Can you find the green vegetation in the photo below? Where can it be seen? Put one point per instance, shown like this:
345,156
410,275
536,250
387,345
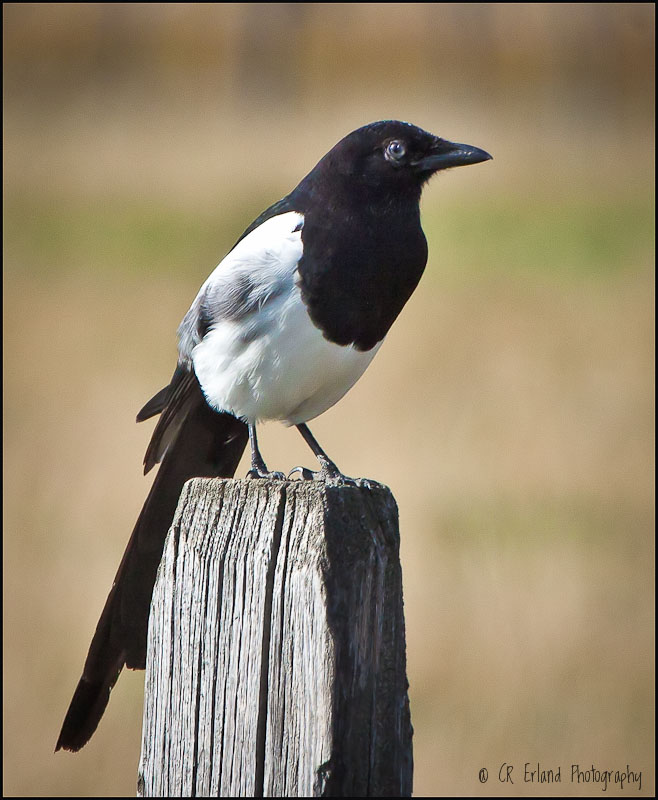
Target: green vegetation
470,238
568,238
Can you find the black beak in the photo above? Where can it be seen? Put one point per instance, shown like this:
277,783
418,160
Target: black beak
444,154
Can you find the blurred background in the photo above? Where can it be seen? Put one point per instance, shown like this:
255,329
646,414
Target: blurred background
510,411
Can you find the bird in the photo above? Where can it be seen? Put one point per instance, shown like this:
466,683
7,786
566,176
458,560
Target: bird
281,330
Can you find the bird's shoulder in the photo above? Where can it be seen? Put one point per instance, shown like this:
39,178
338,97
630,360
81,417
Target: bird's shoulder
283,206
259,267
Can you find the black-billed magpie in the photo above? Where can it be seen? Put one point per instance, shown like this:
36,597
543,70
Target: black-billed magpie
281,330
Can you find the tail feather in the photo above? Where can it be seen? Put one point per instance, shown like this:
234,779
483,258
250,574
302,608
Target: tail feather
207,444
87,707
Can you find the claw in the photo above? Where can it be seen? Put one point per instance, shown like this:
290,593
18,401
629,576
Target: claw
305,473
256,474
339,478
328,473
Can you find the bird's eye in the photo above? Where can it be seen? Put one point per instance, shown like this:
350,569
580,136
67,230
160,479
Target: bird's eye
395,151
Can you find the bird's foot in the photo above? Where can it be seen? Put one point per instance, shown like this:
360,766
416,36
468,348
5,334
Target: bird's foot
328,473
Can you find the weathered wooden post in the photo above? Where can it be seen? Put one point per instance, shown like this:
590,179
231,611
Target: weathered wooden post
276,655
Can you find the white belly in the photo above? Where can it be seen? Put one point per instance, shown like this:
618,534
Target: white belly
287,372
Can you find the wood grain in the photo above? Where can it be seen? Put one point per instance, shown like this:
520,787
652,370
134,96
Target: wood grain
276,655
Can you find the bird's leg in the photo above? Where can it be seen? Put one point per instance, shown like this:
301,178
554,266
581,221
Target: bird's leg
328,470
258,467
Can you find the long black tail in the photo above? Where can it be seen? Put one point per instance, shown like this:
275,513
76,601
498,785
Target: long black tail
204,444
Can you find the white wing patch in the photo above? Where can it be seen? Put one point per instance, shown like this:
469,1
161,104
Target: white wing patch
259,266
261,357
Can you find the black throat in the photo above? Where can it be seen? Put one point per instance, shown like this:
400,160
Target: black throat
364,253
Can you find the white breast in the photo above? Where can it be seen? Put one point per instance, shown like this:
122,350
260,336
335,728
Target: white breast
273,363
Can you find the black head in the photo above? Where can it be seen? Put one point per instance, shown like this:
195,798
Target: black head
393,155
